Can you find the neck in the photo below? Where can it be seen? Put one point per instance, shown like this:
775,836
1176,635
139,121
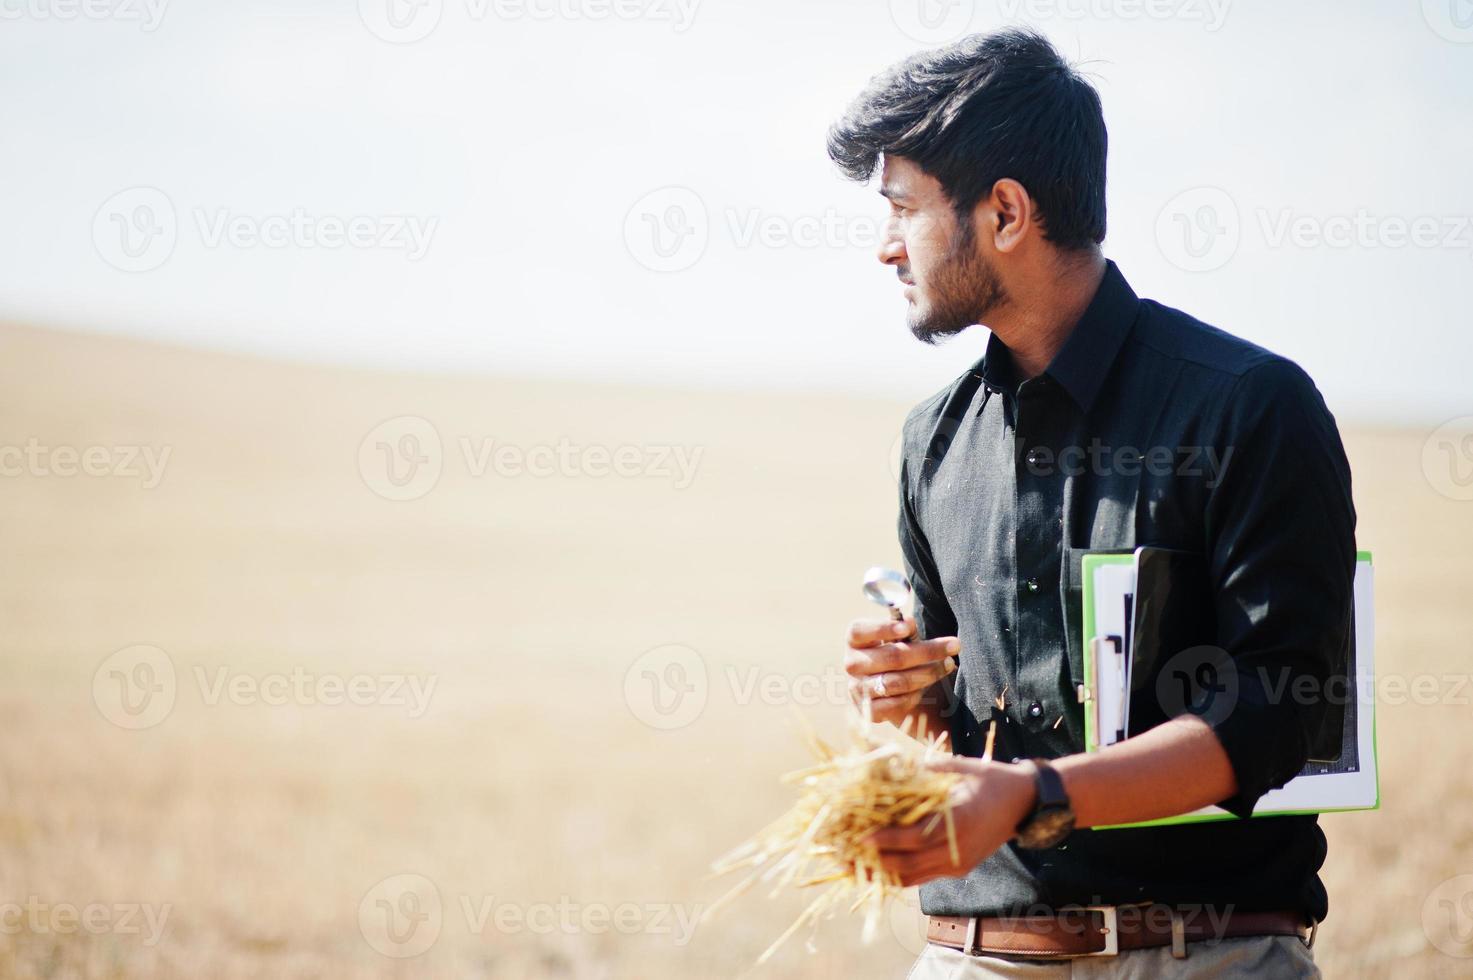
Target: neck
1044,309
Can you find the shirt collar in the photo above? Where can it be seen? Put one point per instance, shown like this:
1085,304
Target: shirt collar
1082,364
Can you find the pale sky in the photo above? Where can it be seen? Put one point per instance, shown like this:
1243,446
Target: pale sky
637,189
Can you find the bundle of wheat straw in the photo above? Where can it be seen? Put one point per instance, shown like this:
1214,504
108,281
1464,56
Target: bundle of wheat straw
880,781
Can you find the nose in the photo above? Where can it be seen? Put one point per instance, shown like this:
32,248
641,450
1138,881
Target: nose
892,247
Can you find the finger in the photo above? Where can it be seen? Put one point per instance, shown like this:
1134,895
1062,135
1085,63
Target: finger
895,682
899,840
958,763
916,869
883,707
900,656
865,633
915,878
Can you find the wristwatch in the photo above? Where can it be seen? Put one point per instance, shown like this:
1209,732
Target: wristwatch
1052,818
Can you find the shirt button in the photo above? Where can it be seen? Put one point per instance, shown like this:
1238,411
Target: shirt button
1033,457
1032,585
1035,710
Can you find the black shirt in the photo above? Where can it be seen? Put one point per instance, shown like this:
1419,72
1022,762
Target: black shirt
1148,428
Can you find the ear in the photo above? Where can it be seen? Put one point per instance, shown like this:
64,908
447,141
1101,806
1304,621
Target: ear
1011,214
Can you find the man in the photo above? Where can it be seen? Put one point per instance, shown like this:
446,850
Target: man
992,156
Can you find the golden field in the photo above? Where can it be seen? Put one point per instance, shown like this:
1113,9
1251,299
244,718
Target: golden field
550,820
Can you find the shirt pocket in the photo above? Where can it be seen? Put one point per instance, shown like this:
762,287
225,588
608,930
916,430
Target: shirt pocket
1071,600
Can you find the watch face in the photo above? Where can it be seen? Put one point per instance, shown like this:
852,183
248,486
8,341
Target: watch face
1047,828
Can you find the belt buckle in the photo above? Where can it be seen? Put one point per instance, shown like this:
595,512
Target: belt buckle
1111,930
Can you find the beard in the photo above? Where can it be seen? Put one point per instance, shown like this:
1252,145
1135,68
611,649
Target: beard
960,292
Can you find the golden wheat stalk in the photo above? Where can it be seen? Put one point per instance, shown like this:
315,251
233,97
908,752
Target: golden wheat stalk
881,780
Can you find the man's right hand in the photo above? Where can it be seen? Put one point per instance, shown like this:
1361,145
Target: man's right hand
894,670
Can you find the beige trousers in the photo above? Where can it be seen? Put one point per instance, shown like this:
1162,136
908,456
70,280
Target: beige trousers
1270,957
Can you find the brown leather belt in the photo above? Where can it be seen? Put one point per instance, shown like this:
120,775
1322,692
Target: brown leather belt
1104,930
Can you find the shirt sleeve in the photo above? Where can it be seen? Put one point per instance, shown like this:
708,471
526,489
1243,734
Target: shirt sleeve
1281,552
933,613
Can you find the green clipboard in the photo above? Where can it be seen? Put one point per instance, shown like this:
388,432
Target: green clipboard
1346,785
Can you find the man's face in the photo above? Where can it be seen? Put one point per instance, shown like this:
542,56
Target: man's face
950,283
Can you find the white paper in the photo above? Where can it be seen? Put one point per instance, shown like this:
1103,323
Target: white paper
1111,583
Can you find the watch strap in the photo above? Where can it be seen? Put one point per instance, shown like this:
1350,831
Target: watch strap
1049,786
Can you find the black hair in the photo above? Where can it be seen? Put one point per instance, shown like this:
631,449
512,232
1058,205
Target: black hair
987,107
